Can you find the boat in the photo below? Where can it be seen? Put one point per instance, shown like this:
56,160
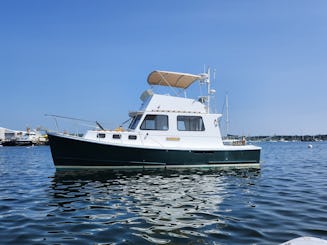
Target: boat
231,139
168,131
8,142
30,138
26,139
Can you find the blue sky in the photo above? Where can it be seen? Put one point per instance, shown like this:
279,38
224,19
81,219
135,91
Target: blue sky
90,59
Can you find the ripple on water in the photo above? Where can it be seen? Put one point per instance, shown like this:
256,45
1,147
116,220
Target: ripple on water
283,200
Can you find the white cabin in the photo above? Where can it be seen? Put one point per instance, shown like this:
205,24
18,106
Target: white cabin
168,122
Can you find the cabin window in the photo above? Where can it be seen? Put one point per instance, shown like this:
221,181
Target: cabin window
155,122
135,122
132,137
190,123
116,136
101,136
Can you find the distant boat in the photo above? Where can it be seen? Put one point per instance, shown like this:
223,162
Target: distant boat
231,139
167,131
25,138
234,141
32,137
11,142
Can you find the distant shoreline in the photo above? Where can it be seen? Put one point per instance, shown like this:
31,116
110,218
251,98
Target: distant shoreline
304,138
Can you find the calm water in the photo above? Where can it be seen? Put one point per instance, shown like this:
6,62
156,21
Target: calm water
286,198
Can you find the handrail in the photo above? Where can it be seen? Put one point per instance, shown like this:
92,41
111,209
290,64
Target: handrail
75,119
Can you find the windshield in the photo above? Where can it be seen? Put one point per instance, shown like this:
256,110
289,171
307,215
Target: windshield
135,122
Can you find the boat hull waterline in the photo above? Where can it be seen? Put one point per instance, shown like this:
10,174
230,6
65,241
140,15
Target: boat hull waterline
75,152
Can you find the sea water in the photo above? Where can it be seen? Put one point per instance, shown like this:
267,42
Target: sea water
285,199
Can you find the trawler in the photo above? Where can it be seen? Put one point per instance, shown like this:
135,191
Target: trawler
168,131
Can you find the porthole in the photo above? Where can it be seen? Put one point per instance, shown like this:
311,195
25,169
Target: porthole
132,137
116,136
101,136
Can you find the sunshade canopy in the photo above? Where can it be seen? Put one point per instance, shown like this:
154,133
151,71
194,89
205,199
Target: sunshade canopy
172,79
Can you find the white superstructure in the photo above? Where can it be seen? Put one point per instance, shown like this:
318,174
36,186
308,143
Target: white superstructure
168,122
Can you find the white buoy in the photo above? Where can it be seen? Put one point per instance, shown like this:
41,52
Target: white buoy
306,241
309,146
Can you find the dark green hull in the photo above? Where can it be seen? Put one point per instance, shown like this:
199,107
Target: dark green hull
70,152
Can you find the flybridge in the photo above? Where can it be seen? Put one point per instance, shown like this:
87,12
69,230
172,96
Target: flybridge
181,81
174,79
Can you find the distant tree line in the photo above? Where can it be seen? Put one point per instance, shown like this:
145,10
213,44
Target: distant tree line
320,137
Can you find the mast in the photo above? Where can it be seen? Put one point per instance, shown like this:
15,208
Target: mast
209,91
227,115
205,80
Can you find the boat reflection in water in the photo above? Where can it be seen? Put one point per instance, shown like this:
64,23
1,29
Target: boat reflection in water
158,206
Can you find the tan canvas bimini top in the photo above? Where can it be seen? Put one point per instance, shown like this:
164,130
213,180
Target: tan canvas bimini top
172,79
